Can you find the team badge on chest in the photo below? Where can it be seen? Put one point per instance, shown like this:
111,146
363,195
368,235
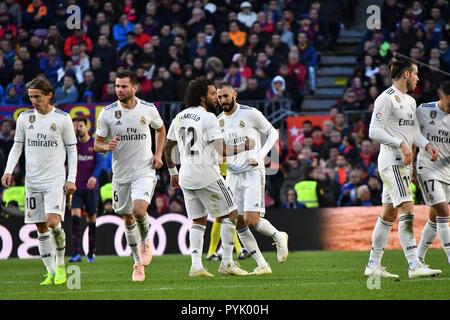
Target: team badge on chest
221,122
53,127
32,118
118,114
433,114
143,121
397,98
241,124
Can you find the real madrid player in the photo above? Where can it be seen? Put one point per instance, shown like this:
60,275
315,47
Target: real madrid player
47,134
434,177
394,126
246,174
126,125
197,133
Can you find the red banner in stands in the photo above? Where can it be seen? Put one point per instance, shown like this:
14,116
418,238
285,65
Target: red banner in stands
295,125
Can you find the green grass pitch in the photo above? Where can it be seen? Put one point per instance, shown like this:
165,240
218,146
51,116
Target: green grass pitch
305,275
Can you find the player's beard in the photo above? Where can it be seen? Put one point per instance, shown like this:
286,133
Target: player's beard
125,99
410,86
229,106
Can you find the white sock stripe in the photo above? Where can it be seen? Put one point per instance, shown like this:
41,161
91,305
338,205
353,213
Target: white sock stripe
385,223
442,220
199,227
431,224
406,217
243,230
131,227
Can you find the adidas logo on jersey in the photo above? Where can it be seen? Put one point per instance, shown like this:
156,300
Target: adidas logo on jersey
31,127
195,251
118,123
432,123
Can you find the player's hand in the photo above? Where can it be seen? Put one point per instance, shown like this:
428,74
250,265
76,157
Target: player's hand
174,182
91,183
432,151
253,162
157,162
6,180
249,143
70,187
113,143
407,153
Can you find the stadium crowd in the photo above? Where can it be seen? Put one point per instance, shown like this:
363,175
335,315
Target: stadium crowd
264,49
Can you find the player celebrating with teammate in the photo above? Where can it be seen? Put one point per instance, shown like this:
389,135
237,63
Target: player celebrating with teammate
47,134
395,126
434,176
197,133
246,174
126,124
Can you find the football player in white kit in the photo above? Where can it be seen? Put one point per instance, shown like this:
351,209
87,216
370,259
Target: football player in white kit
434,177
394,125
47,134
126,124
197,133
246,174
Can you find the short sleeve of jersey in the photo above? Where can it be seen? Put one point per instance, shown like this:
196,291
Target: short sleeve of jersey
261,123
69,132
171,134
155,118
212,128
102,126
20,132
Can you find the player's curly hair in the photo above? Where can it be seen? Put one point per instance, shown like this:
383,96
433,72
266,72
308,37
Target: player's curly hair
197,89
398,66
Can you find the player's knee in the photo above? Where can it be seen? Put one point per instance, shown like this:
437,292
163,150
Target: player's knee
53,220
252,219
41,227
202,220
240,222
129,219
233,216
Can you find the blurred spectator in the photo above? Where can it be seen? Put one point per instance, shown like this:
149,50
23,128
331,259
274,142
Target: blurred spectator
77,38
121,30
348,195
308,57
253,92
363,196
291,201
234,78
11,97
246,15
67,93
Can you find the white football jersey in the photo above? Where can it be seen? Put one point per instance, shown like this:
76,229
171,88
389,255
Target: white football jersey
244,122
435,126
393,121
194,129
133,156
45,138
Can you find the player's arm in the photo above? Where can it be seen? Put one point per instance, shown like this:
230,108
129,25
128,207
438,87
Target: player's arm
226,150
171,143
92,181
70,142
160,137
377,132
265,127
421,142
14,154
101,144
